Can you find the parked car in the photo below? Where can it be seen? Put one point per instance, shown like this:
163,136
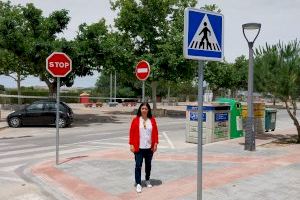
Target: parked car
41,112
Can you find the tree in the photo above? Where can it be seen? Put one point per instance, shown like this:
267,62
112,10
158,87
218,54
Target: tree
13,44
29,38
277,70
219,75
239,73
156,35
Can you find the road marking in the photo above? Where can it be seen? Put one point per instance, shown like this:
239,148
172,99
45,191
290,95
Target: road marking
110,143
168,140
13,146
44,155
92,141
10,168
19,180
27,150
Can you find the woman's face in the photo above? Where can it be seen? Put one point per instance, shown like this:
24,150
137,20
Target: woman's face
144,110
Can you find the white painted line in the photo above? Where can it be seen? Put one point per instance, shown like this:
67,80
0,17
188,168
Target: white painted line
124,138
89,134
28,150
93,141
13,146
168,139
116,144
10,168
44,155
12,179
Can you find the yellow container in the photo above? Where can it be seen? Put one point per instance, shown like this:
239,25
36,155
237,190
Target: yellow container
259,110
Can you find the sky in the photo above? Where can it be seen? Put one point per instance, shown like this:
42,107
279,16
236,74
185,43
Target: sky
279,21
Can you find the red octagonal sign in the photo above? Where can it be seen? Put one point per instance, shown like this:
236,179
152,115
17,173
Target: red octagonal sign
142,70
58,64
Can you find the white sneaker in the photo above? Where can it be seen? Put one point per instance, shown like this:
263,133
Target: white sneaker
148,184
138,188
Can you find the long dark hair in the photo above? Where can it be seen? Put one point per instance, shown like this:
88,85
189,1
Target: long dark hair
139,113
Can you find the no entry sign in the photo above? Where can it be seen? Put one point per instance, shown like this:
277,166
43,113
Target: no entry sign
142,70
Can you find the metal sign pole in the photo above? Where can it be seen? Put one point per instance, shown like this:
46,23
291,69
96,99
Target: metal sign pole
200,131
57,120
143,92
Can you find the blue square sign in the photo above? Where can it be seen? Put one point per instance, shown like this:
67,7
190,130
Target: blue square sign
203,35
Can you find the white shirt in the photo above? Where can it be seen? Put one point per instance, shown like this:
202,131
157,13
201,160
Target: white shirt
145,133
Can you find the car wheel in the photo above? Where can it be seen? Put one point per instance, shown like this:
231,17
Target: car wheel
14,122
62,123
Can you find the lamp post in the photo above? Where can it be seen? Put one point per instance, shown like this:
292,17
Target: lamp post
254,29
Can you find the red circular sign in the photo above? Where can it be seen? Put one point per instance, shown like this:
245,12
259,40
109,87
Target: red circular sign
58,64
142,70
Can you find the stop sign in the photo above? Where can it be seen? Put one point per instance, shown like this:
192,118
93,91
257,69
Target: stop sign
58,64
142,70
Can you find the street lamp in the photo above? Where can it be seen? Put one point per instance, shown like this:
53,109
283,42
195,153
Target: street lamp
253,29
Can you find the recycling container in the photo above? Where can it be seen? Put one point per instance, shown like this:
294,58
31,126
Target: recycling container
215,126
236,123
259,117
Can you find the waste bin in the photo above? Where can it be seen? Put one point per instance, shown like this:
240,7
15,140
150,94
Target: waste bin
84,98
259,117
215,124
270,119
236,121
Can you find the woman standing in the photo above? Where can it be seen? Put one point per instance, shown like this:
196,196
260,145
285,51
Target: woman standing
143,140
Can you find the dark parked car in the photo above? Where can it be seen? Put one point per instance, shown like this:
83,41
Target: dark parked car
41,112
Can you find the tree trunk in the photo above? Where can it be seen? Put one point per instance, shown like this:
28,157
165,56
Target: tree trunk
293,117
19,88
154,86
52,88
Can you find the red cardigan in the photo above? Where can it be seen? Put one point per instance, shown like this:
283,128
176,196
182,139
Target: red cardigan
134,133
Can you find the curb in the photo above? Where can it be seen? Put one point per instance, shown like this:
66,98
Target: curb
46,188
3,127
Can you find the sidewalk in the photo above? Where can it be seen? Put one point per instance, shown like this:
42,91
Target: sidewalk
229,173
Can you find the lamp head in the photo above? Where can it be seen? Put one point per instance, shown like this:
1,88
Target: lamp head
253,30
251,26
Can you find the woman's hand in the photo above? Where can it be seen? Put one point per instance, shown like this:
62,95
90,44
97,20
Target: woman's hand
132,148
154,148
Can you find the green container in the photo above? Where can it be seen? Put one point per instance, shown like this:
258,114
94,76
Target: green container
270,119
236,123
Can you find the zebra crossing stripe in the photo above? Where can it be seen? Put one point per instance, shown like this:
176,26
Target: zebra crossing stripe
9,147
44,155
28,150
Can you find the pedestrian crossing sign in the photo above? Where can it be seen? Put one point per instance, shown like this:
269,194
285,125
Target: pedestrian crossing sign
203,35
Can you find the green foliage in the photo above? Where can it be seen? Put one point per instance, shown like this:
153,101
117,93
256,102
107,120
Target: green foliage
2,88
277,70
156,35
218,75
240,73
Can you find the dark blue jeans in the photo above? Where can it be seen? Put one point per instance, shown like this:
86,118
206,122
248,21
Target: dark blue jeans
147,154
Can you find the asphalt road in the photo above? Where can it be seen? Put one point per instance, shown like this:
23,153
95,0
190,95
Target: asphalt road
27,145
